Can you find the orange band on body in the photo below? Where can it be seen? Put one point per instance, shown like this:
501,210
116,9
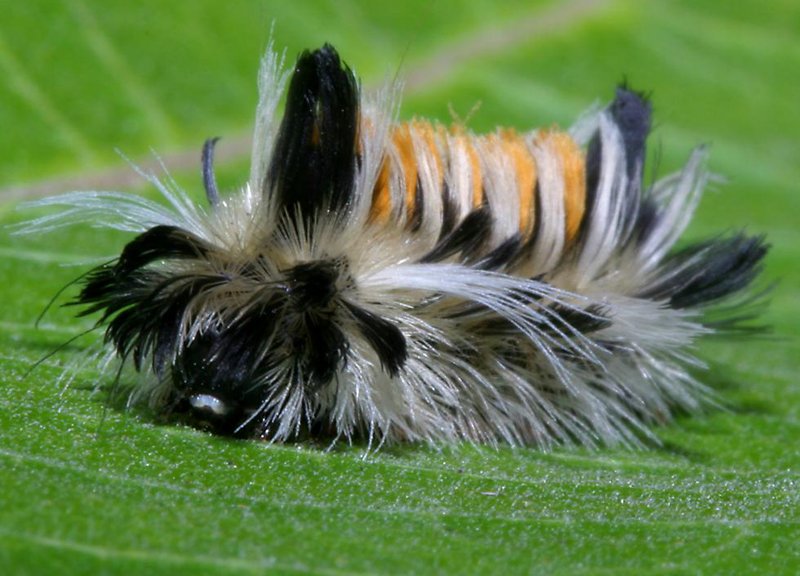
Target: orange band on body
404,160
381,195
404,147
573,165
525,171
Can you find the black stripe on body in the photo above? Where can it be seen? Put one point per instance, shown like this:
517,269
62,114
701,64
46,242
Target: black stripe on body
705,272
418,211
631,112
160,243
314,161
384,337
467,238
449,212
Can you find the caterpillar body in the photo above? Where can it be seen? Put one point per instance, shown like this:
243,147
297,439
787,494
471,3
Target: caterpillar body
417,282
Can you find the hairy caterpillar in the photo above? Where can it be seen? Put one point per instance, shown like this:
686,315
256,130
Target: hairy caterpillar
416,282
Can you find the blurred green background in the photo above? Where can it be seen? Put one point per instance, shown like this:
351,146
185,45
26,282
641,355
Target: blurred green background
85,489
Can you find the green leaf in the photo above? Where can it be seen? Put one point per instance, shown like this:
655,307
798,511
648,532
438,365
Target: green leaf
86,488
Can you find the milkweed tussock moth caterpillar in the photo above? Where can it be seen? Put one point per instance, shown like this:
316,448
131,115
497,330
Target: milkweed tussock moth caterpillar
416,282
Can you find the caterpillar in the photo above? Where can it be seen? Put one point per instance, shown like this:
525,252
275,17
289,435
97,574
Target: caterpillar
416,282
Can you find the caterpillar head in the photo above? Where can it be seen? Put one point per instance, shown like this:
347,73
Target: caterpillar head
237,323
233,338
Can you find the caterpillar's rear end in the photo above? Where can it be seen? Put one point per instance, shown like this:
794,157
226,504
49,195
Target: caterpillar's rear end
414,282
